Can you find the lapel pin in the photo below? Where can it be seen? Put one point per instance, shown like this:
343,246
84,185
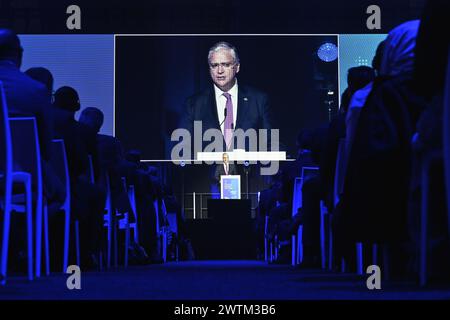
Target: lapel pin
245,99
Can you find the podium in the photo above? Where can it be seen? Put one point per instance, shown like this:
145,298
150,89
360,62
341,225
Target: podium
230,187
228,233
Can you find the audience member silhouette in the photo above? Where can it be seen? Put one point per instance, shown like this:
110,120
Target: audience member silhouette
27,97
53,188
87,198
43,76
429,79
24,96
374,202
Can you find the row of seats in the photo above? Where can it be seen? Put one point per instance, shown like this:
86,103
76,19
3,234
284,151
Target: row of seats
396,137
22,193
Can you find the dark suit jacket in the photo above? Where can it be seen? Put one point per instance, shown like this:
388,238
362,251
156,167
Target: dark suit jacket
27,97
111,158
80,141
253,110
220,170
110,151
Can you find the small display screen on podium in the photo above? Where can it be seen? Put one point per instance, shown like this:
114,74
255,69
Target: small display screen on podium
230,187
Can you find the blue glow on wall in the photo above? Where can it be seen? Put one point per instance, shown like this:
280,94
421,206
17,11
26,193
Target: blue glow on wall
84,62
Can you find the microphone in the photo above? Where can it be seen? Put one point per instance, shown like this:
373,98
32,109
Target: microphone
224,116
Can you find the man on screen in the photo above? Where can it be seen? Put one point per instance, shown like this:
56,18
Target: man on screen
227,105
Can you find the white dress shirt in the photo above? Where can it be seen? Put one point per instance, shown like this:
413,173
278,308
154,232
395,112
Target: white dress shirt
221,102
226,168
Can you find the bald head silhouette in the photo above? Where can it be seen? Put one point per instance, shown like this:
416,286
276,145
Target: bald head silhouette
10,48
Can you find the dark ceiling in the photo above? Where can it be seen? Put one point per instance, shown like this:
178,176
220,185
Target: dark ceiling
205,16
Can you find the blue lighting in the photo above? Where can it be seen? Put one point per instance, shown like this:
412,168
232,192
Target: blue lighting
328,52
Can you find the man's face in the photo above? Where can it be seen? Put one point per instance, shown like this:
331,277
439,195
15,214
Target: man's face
225,158
223,69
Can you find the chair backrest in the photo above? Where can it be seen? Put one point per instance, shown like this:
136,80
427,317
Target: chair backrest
59,163
308,172
156,207
25,146
297,198
132,199
339,176
6,156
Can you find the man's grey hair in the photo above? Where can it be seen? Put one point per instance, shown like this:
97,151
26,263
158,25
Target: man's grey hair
224,45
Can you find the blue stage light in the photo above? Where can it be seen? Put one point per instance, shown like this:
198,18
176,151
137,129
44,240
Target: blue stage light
328,52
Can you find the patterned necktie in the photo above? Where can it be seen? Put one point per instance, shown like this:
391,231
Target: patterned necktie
228,129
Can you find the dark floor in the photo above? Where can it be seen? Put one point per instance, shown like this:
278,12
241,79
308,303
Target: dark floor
213,280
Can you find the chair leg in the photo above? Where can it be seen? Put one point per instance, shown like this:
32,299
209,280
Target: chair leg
330,243
77,242
276,247
359,258
66,240
115,233
294,251
164,245
110,223
271,252
300,245
266,241
322,236
5,240
39,219
127,239
115,242
423,227
266,249
29,230
47,246
100,260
